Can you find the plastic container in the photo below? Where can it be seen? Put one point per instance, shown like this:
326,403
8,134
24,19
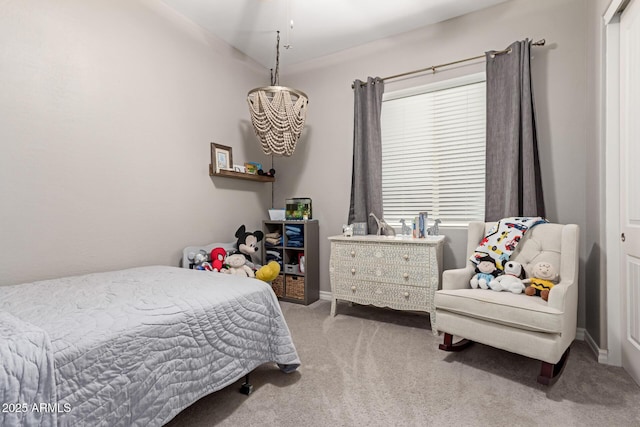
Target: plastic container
276,214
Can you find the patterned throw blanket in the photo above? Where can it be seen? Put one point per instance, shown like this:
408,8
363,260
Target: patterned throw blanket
502,239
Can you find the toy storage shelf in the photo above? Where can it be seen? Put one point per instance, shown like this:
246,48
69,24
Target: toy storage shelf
240,175
292,285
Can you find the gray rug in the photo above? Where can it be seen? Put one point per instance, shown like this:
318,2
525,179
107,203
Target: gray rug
379,367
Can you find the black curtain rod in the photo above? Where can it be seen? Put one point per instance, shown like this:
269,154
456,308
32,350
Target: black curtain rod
434,67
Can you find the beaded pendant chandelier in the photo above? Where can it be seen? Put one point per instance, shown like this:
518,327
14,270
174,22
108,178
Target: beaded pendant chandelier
277,114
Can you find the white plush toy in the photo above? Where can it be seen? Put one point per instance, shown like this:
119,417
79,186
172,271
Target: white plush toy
511,280
236,265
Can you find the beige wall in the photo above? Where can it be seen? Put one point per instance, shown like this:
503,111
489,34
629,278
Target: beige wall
107,109
321,168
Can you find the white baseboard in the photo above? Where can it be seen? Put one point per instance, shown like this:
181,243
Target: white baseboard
601,354
325,296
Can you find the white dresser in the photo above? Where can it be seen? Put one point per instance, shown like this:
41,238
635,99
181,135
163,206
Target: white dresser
397,272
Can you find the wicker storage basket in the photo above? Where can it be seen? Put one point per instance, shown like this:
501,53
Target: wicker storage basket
277,285
294,287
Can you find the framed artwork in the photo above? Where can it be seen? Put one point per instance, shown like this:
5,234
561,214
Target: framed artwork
221,157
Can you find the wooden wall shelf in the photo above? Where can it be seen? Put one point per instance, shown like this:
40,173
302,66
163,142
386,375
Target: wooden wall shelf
240,175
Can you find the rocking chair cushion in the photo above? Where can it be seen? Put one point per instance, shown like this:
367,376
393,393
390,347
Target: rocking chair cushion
506,308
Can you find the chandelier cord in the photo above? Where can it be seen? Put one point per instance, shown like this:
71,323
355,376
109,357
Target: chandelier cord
275,78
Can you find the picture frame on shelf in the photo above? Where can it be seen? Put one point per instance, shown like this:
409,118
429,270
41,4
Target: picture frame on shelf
221,157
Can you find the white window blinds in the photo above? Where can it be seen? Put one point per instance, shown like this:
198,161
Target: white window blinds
433,152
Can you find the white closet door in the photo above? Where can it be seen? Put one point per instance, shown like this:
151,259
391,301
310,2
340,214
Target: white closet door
630,186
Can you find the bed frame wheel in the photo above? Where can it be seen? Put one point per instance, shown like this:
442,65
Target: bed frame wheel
246,388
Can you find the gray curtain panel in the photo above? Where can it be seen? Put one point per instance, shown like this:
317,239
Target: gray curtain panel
366,179
513,180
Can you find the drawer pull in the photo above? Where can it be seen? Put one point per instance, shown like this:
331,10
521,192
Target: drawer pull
405,275
353,271
353,288
405,256
406,294
353,253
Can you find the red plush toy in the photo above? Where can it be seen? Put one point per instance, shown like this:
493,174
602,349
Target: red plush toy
217,258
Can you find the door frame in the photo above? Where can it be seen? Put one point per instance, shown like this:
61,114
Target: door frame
611,22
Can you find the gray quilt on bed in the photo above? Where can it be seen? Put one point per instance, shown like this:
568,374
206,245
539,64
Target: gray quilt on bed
134,347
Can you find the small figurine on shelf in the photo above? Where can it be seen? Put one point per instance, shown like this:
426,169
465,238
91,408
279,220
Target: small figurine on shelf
406,230
384,229
434,230
272,172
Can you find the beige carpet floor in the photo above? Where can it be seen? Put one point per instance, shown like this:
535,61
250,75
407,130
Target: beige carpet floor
378,367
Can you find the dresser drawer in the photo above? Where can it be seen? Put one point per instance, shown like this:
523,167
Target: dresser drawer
399,273
400,297
392,253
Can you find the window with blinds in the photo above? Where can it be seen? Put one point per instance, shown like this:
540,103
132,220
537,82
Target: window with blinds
433,152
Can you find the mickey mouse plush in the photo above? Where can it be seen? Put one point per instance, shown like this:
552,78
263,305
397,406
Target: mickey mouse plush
247,242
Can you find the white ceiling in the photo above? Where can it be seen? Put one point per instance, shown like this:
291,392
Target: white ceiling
320,27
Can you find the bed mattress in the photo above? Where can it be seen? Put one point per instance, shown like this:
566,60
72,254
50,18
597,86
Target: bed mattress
132,347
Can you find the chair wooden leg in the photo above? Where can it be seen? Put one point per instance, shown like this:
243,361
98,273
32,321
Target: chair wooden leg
549,373
449,345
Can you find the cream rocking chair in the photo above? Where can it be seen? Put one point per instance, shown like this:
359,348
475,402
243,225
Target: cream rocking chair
518,323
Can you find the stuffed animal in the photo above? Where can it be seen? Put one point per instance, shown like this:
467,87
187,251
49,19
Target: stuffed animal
268,272
247,243
543,277
198,259
236,265
486,271
217,259
511,280
206,266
